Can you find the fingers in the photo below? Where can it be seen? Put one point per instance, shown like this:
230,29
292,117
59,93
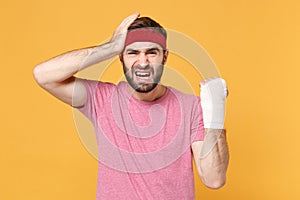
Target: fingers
126,22
215,84
207,80
119,36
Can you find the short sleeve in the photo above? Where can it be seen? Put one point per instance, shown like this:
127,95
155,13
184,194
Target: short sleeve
197,126
88,109
97,94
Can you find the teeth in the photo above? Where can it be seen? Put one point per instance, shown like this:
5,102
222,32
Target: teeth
142,74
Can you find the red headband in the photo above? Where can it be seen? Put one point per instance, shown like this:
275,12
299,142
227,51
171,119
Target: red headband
145,35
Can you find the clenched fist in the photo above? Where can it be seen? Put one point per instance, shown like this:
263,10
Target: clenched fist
213,94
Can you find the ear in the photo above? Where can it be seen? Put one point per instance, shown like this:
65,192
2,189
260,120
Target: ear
121,57
165,56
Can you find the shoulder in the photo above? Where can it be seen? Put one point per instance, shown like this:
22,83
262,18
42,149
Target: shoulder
184,97
97,87
189,103
97,84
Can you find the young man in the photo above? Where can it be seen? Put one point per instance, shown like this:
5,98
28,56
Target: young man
155,130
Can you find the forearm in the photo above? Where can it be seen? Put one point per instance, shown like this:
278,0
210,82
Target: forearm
213,166
62,67
56,75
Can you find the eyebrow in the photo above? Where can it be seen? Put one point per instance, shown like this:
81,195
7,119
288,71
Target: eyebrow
150,49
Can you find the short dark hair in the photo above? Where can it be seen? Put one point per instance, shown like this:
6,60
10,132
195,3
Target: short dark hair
148,23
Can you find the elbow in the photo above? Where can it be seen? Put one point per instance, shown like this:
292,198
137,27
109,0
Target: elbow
39,76
215,183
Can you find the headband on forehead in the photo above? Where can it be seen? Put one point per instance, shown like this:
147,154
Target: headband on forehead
145,35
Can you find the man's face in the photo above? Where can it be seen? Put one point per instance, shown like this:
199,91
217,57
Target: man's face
143,64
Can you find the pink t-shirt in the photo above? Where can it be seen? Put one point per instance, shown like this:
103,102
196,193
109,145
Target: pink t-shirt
144,148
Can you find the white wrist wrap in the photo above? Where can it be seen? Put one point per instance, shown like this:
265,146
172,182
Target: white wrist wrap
213,94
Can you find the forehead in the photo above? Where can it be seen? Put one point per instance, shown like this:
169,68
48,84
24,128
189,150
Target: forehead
143,46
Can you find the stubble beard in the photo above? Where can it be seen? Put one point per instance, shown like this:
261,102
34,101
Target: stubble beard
141,86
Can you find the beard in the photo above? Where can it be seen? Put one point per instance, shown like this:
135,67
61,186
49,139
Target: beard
143,86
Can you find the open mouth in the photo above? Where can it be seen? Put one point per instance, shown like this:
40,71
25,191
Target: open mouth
142,74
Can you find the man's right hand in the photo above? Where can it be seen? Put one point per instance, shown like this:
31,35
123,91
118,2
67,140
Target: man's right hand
119,36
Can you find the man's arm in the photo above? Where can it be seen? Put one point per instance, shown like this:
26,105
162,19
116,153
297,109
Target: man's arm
211,155
57,74
212,167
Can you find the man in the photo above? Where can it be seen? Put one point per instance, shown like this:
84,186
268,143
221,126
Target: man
155,130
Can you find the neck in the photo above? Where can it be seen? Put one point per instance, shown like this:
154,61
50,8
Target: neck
153,95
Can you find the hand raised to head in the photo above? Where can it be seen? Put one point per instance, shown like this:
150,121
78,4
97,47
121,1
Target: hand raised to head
119,36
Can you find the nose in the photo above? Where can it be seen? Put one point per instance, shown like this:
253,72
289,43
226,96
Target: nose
143,60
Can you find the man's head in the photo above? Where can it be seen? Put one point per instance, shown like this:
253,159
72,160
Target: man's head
144,54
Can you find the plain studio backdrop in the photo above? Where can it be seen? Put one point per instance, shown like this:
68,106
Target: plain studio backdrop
255,45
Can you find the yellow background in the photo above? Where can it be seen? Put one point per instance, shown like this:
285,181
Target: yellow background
255,45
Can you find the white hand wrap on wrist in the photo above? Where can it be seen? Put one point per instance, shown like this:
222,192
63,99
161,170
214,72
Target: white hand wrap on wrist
213,94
